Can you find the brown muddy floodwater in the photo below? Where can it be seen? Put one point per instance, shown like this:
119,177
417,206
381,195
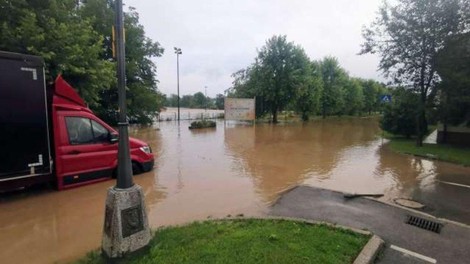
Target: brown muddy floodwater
233,169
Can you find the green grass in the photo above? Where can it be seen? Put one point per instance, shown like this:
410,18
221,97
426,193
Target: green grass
249,241
448,153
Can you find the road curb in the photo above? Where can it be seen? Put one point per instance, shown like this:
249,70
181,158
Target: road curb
444,220
441,219
370,251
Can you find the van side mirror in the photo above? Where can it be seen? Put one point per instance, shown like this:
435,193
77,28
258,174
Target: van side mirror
113,137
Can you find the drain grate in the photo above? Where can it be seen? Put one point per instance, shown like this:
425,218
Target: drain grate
424,224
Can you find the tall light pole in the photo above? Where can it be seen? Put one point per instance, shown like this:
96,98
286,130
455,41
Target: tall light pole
205,95
126,226
178,53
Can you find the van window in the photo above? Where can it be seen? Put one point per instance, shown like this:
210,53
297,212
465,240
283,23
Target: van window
85,131
100,133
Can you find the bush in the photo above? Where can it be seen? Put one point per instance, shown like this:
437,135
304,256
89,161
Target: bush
202,124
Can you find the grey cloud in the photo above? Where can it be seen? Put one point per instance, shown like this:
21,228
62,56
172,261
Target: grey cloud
221,37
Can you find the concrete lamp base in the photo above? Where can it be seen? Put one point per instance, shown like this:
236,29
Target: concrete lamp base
126,228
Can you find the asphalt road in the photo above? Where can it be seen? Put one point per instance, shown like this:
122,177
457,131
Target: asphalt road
449,198
404,243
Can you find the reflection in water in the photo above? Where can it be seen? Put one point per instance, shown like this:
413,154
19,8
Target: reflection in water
407,172
325,153
235,168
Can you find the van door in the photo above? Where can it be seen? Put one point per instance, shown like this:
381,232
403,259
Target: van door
88,154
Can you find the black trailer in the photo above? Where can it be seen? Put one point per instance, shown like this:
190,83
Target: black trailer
24,132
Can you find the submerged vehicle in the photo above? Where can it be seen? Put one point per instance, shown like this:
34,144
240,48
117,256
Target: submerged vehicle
50,135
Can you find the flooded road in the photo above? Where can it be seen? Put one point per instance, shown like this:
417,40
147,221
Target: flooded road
233,169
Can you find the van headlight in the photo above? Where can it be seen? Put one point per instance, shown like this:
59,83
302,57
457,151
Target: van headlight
146,149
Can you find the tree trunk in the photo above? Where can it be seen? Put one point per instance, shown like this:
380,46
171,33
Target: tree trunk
446,115
419,137
421,125
304,116
444,133
274,113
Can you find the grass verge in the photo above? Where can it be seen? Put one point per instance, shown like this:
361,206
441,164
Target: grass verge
458,155
249,241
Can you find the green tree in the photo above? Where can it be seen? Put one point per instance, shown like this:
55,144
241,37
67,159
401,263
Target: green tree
280,68
399,116
68,43
199,100
353,97
144,99
334,79
186,101
309,92
283,77
210,103
453,66
219,101
408,36
372,91
74,38
141,78
242,84
172,101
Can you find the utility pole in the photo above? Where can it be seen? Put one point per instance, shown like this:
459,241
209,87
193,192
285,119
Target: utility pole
126,226
178,53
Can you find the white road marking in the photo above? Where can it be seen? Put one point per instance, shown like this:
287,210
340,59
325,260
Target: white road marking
414,254
455,184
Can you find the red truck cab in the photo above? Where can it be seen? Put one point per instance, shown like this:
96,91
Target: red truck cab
51,135
86,147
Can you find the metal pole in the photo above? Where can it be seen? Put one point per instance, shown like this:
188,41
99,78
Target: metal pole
178,82
124,172
178,53
125,213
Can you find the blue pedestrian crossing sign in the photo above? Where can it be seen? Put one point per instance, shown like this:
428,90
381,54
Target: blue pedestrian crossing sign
386,98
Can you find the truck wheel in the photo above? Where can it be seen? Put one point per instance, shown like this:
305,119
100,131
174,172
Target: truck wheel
136,168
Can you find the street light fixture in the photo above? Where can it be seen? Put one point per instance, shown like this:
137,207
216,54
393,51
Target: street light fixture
126,226
178,52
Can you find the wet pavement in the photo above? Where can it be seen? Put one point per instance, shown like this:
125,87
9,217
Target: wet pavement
233,169
404,243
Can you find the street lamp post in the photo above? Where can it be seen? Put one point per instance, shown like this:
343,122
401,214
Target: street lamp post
126,226
205,96
178,53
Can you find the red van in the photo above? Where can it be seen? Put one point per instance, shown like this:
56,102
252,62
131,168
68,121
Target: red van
52,135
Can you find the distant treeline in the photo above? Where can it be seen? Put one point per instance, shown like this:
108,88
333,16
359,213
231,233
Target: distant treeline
74,38
283,77
197,100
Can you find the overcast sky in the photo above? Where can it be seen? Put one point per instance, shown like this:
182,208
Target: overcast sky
219,37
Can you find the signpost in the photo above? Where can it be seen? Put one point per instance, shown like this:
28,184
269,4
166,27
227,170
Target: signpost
385,99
